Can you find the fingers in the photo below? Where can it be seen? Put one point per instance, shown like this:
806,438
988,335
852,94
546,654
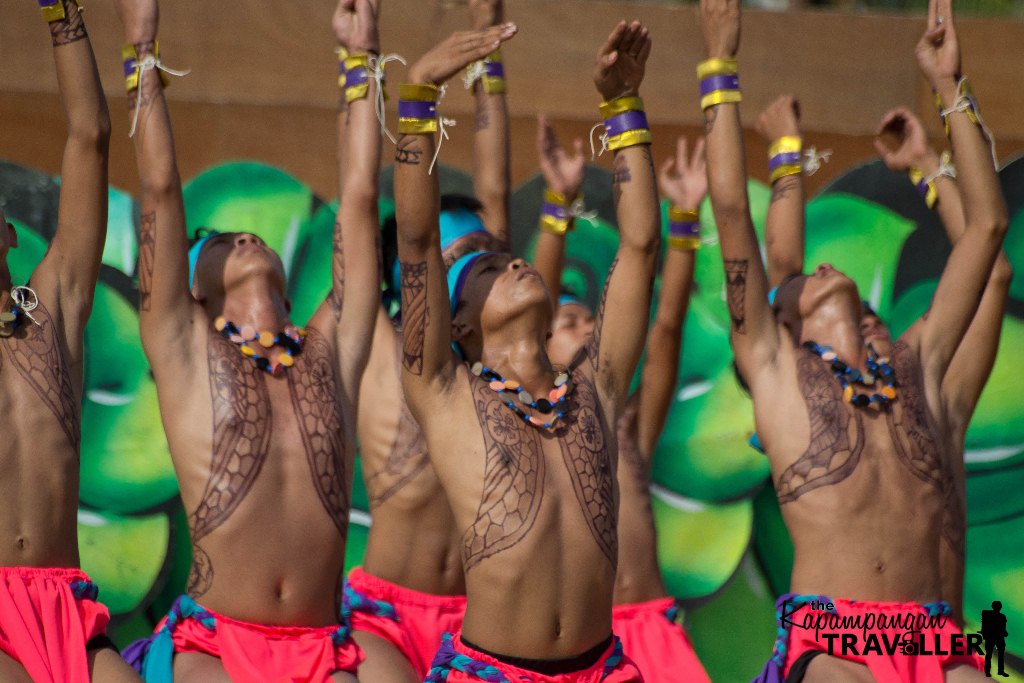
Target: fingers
883,151
935,36
611,45
630,39
543,130
697,160
932,13
645,51
577,146
681,150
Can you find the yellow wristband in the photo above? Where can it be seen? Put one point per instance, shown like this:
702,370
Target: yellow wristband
131,70
720,97
621,105
785,145
716,66
677,215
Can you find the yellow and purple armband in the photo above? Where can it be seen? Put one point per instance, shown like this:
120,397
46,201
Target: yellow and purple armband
785,157
925,184
489,71
625,123
719,82
683,228
133,67
354,75
53,10
417,108
556,214
966,103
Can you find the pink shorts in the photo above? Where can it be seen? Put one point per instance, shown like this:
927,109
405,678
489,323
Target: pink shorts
916,644
456,662
247,651
47,618
411,621
657,645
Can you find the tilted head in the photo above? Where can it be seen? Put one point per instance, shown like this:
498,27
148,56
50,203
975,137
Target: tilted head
222,261
800,298
874,330
571,329
489,290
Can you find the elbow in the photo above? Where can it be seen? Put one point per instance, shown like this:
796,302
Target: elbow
160,184
1002,272
92,132
730,211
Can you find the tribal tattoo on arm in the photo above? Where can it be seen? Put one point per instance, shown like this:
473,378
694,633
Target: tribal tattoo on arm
416,314
711,115
736,292
593,348
836,439
338,288
315,392
147,255
241,441
407,151
620,176
587,455
513,480
39,359
70,29
783,186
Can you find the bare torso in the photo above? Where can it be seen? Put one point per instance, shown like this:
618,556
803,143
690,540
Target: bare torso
537,511
639,577
413,540
40,399
863,492
264,464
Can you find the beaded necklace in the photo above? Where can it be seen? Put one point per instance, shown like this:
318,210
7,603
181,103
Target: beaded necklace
554,405
290,340
878,369
23,302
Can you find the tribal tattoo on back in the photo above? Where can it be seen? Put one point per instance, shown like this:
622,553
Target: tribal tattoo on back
241,441
587,455
39,359
315,392
513,479
836,438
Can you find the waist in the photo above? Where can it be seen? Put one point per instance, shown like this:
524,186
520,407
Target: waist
549,667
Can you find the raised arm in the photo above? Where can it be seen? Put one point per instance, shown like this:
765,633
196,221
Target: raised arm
491,139
684,181
903,145
779,125
970,264
428,365
351,307
166,305
563,176
754,335
614,350
71,265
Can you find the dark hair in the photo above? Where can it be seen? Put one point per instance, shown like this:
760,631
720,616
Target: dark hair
200,233
452,202
739,378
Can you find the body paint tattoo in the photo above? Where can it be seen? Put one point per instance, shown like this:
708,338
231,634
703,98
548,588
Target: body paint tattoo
407,151
909,426
407,457
338,269
241,440
71,28
315,392
587,455
513,479
638,467
483,118
736,292
710,116
620,176
784,186
415,313
594,343
147,254
39,359
836,434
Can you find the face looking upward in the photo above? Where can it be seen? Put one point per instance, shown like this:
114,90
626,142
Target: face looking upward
570,331
231,258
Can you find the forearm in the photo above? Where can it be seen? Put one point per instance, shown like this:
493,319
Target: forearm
549,260
491,160
784,229
636,200
85,107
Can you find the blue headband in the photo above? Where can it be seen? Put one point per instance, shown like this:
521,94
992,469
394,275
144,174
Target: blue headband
193,256
458,273
567,299
771,296
455,224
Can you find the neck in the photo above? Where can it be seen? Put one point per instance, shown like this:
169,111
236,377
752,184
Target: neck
520,357
254,303
837,325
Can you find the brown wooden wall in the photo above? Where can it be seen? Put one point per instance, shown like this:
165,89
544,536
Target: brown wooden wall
262,82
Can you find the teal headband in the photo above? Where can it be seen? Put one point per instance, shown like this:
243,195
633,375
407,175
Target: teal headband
193,256
771,296
567,299
458,273
455,224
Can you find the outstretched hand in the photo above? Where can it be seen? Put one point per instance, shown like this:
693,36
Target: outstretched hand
902,143
683,178
938,51
458,51
140,19
355,25
782,117
486,13
621,61
720,24
563,172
